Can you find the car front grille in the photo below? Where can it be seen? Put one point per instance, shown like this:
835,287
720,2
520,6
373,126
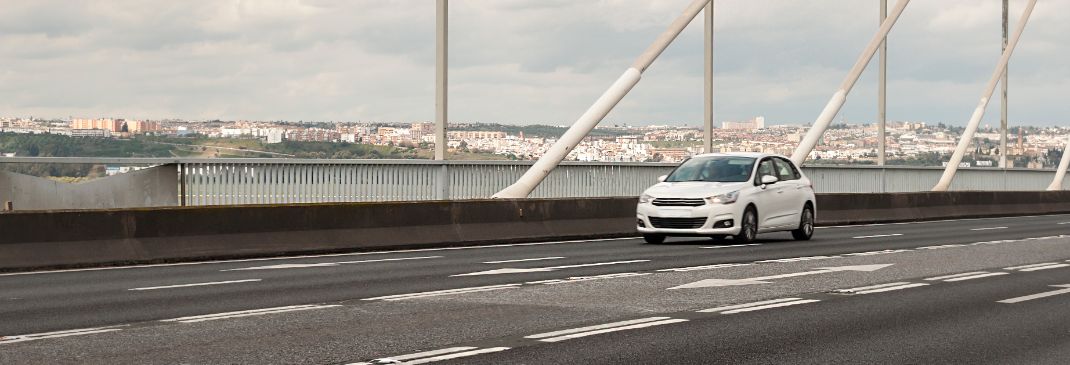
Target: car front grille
678,223
678,202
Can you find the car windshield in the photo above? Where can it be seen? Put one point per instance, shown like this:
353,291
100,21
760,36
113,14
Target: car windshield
713,169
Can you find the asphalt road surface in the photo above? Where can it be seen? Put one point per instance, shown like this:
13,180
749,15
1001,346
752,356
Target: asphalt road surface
961,291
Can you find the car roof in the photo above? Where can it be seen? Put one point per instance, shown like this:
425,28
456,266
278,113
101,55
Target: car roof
738,154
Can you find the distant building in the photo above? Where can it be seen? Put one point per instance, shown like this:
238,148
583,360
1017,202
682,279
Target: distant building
97,133
475,135
108,124
753,124
142,126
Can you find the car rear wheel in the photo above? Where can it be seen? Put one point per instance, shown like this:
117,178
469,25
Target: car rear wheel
748,226
806,225
653,238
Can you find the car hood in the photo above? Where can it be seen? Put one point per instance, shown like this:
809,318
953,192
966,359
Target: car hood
692,189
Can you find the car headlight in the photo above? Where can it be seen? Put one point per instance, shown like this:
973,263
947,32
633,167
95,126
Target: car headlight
645,198
726,198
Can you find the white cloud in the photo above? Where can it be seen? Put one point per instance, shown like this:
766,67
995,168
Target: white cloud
517,61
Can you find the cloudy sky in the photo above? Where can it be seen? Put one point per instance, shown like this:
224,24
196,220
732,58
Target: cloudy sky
513,61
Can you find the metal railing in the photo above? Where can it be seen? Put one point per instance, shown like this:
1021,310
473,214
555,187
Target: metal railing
229,181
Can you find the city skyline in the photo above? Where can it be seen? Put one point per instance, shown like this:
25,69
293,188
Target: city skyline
322,60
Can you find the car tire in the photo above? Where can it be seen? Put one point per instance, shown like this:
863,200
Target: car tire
748,227
806,225
653,238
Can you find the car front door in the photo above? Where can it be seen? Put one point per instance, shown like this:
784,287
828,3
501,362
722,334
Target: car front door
768,199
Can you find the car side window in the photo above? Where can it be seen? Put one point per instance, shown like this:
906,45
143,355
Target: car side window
786,171
764,168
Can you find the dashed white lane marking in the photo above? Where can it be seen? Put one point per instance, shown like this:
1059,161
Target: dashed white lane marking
978,276
797,259
248,313
1022,267
595,327
55,334
575,279
435,355
880,288
704,267
879,235
1061,223
730,246
765,304
955,275
1038,295
1038,268
418,355
545,269
525,260
987,229
200,284
603,328
436,293
457,355
328,264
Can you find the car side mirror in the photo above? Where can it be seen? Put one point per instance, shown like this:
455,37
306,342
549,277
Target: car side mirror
769,180
662,178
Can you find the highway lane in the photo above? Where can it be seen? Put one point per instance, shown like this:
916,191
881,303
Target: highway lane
961,322
340,325
57,301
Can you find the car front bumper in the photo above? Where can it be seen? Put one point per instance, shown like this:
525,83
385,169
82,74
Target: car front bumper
715,216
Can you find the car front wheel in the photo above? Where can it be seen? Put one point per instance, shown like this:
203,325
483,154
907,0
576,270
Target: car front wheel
748,226
806,225
653,238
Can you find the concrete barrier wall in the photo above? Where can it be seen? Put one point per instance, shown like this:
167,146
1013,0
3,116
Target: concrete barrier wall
81,238
151,187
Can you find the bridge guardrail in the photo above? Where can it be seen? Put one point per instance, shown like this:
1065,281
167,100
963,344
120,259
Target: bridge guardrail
236,181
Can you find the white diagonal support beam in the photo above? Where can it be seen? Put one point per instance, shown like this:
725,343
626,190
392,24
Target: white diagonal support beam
1060,173
601,107
979,112
840,96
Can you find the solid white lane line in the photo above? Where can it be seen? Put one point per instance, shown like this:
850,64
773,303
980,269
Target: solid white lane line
524,260
871,287
196,284
730,246
314,256
247,313
457,355
444,292
1029,266
614,329
1036,296
704,267
597,264
388,260
961,278
879,235
891,288
422,354
956,275
329,264
778,305
596,327
987,229
1056,266
56,334
745,305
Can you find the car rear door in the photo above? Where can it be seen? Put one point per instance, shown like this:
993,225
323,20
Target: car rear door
793,190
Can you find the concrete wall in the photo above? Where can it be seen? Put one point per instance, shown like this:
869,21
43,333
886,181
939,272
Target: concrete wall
79,238
152,187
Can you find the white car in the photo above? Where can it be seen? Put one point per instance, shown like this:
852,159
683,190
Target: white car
729,194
